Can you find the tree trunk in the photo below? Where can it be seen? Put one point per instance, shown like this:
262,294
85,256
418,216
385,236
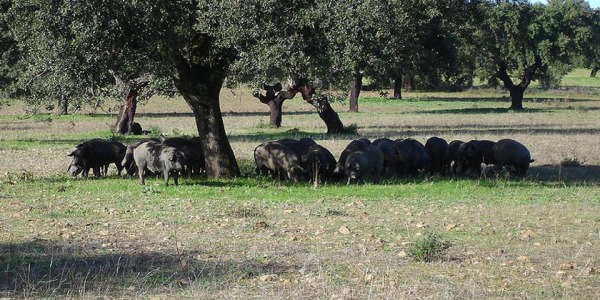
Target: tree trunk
324,109
545,82
594,72
516,97
276,111
200,87
411,83
517,91
124,123
274,101
63,106
355,92
398,87
130,87
329,116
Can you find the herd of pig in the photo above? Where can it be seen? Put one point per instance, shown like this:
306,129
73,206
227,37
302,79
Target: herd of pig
305,160
168,157
362,159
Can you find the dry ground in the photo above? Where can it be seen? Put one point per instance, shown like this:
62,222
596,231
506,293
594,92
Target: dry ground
110,239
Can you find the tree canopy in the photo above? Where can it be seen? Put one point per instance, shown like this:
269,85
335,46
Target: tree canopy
78,50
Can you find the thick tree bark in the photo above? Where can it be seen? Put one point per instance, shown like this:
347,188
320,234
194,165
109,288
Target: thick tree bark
200,86
63,105
355,92
276,111
516,97
324,109
594,72
517,90
127,113
130,87
329,116
398,87
274,99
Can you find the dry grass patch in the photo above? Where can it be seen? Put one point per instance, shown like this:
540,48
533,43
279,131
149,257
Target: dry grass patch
256,238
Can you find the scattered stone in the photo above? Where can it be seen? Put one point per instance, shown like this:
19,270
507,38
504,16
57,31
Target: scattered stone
561,275
527,235
450,227
567,266
261,225
268,277
588,270
344,230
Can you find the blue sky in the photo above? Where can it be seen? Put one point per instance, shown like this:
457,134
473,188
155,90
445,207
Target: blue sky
593,3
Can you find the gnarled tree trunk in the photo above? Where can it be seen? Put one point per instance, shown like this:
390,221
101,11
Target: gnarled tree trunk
594,72
63,105
398,87
324,109
130,88
329,116
517,90
355,92
127,113
274,99
200,86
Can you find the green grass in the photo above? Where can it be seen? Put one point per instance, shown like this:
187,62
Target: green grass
580,78
252,237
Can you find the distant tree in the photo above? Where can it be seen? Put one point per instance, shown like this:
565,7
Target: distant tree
82,52
9,54
588,39
294,51
523,41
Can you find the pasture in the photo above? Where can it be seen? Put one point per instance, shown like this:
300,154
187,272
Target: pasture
263,239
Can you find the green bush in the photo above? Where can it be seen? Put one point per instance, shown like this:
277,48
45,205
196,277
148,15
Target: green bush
429,248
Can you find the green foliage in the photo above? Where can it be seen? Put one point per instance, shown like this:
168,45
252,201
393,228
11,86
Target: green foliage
431,247
522,36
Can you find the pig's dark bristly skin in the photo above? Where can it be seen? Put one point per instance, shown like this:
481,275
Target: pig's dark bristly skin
351,147
192,150
437,148
128,161
157,157
279,160
486,147
513,155
469,158
320,164
363,163
452,154
411,157
389,156
96,154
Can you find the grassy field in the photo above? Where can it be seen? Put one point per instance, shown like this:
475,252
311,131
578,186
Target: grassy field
254,238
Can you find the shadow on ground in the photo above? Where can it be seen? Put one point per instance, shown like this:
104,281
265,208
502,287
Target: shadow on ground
472,129
575,175
43,269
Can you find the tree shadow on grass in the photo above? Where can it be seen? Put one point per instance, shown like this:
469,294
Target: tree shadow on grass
476,129
569,176
42,269
489,110
485,110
